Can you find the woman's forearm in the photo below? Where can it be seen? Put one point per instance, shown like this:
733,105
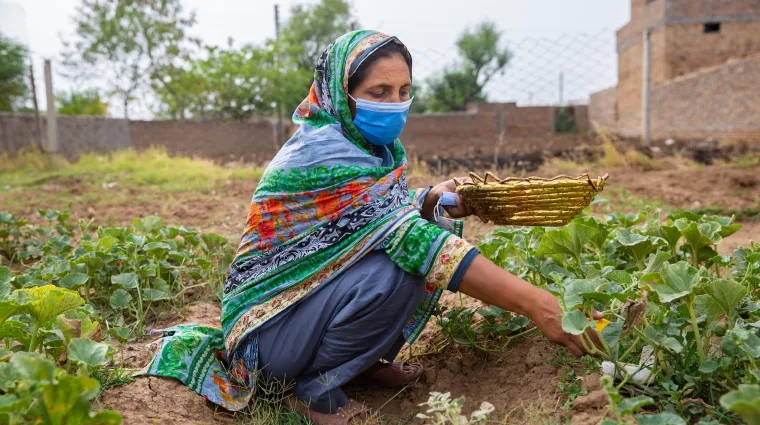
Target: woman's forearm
491,284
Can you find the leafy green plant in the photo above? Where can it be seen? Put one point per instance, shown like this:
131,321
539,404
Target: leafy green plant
34,391
660,284
493,331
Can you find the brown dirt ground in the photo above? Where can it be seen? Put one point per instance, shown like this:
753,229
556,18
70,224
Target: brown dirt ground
520,382
517,381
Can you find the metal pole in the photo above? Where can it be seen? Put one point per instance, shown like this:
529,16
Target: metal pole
52,124
280,129
646,130
561,87
38,127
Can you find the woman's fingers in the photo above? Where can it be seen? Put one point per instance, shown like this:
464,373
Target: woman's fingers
597,315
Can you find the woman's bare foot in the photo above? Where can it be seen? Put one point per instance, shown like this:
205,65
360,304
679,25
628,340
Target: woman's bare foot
390,374
353,413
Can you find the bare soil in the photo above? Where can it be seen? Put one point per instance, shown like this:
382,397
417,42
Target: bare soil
521,381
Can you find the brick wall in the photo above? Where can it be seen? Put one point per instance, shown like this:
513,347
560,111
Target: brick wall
76,135
526,129
217,140
690,49
698,9
720,102
602,109
644,14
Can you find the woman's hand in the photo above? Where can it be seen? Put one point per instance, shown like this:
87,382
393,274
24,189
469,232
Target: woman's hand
493,285
547,315
461,210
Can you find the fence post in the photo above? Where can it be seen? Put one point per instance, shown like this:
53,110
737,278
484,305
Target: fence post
52,124
645,77
38,125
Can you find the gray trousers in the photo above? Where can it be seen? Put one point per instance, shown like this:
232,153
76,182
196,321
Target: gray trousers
340,331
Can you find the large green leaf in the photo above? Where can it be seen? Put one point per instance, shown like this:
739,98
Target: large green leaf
89,352
148,224
574,289
699,234
707,306
33,366
656,261
5,282
49,301
745,402
612,332
727,294
73,280
677,281
122,334
125,280
661,340
637,244
150,294
574,322
664,418
8,376
569,240
630,405
8,308
120,299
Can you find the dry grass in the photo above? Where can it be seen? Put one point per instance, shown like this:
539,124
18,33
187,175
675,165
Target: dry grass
153,167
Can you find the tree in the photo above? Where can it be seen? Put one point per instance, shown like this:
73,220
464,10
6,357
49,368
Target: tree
86,103
481,59
303,38
13,86
228,84
130,45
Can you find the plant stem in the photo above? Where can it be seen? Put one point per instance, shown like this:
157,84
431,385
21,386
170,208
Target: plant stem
630,349
695,329
33,341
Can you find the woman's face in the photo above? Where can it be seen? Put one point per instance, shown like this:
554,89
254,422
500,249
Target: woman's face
387,81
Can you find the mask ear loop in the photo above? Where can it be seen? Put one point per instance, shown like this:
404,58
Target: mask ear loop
438,210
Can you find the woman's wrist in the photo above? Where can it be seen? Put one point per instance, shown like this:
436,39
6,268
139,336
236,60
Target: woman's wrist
430,202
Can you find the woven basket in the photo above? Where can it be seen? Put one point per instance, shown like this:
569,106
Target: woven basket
530,201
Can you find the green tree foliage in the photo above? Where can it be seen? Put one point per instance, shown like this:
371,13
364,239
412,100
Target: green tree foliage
481,58
13,86
236,83
303,37
82,103
130,45
228,84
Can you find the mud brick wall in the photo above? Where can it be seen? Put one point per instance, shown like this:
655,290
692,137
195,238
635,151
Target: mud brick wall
76,135
216,140
719,102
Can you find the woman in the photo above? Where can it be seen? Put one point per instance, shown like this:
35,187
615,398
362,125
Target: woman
340,264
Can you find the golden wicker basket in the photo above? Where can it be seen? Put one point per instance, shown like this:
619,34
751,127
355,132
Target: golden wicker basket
530,201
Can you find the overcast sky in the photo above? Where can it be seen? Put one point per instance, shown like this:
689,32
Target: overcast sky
547,37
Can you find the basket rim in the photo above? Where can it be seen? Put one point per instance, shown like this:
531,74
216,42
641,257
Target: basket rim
478,181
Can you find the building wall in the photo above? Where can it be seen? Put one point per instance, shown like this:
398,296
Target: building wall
217,140
698,9
602,108
76,135
690,49
719,102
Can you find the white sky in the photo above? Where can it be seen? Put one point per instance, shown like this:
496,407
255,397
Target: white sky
546,36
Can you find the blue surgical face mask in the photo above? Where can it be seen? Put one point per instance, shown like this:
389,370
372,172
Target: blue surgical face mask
380,123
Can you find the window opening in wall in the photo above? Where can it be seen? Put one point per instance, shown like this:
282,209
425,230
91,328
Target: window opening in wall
711,27
651,1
